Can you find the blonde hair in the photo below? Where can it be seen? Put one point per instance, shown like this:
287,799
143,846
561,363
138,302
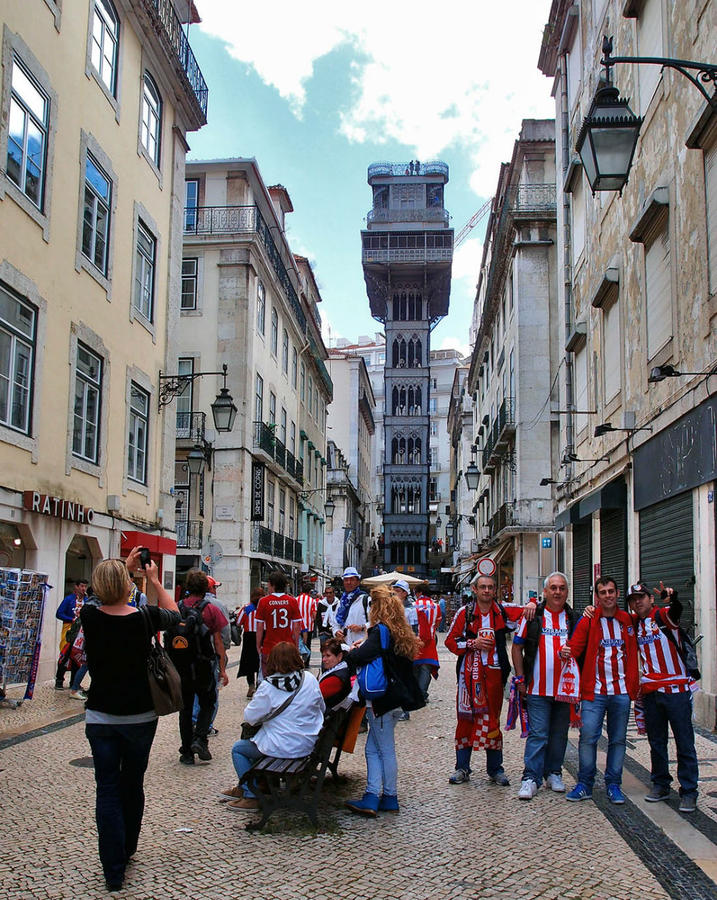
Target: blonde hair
387,609
111,582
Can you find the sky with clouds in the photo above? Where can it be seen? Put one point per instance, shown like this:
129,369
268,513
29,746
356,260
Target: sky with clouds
317,91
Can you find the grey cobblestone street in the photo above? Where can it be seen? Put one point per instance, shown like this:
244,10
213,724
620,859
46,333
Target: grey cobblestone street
466,841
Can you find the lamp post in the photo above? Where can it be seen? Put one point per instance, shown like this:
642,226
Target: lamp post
223,409
608,137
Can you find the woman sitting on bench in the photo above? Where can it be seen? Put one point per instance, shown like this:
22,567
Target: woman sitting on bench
335,679
289,709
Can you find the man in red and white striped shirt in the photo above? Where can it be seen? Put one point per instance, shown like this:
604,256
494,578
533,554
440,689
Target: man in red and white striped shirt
609,681
667,698
536,660
307,609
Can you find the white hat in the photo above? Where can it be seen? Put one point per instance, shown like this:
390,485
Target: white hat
403,585
350,573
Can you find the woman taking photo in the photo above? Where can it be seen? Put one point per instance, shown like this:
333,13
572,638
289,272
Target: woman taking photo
120,721
382,713
290,710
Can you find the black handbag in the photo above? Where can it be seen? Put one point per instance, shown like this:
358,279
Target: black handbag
165,684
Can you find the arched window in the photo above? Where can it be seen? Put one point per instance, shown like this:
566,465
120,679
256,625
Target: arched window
151,126
394,354
394,401
105,44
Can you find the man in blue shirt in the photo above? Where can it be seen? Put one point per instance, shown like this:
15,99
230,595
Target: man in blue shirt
67,612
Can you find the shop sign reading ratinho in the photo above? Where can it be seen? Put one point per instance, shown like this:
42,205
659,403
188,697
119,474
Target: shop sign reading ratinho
58,508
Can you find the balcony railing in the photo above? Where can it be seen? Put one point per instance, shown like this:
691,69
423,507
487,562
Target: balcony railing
264,540
244,220
535,198
427,214
189,534
501,518
191,426
408,254
505,423
434,167
265,439
165,16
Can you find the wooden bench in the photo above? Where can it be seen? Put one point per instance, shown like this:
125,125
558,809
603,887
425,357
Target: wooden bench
295,783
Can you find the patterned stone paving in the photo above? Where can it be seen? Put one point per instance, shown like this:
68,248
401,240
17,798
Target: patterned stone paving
468,841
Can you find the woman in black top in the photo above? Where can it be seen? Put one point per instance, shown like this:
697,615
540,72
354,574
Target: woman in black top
120,721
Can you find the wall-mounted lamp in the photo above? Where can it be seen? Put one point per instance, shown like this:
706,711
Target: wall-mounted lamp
607,427
659,373
223,409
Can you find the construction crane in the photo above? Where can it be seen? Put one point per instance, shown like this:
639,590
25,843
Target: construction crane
471,223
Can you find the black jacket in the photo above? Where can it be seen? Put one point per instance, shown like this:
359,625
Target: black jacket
403,690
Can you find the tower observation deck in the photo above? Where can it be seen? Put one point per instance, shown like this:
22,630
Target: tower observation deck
407,253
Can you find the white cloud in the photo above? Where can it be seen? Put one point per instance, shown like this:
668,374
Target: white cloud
462,75
454,343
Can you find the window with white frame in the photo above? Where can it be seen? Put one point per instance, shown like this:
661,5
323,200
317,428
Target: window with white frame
292,438
185,398
145,261
18,334
272,408
260,307
259,399
105,43
658,289
282,510
611,358
191,204
285,352
316,403
274,339
282,426
96,214
649,43
577,210
270,504
151,125
302,382
575,67
311,395
138,432
86,417
190,271
27,134
294,366
292,518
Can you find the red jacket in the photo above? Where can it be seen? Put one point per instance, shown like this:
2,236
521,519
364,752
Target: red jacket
586,637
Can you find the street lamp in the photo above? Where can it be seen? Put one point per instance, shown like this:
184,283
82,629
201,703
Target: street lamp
223,409
607,427
329,508
659,373
196,460
607,139
472,475
439,521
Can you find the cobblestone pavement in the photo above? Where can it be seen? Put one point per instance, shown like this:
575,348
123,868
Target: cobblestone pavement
468,841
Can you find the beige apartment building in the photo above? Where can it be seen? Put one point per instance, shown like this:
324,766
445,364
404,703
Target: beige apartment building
636,459
96,99
250,304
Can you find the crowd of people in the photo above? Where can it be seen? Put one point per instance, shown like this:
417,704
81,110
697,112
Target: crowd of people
607,660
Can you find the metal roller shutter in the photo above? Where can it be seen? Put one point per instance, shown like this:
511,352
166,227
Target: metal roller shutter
613,546
667,550
582,566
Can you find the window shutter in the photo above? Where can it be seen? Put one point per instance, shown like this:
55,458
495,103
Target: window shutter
659,299
612,363
649,43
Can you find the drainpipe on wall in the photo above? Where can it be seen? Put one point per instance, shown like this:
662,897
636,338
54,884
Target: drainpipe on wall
567,264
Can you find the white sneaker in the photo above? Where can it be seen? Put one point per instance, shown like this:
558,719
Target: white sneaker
556,783
528,789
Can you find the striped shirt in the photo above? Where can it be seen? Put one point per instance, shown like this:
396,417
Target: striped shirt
610,661
432,611
661,667
247,620
548,665
307,608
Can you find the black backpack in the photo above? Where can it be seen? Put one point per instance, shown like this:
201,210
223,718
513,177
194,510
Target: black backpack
189,641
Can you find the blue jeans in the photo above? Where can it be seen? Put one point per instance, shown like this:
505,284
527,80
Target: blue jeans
493,761
548,721
381,764
244,755
676,710
422,674
77,678
120,754
592,713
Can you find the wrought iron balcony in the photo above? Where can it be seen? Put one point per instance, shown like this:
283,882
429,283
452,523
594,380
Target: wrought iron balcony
169,29
191,426
535,198
501,518
266,440
264,540
427,214
210,220
434,167
505,424
407,255
261,539
189,534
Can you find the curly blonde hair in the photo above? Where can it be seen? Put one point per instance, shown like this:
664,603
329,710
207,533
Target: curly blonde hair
387,609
